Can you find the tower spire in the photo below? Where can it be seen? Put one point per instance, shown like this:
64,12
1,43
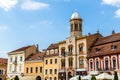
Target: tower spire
75,25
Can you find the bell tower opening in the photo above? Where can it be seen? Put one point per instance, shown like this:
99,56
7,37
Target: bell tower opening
75,25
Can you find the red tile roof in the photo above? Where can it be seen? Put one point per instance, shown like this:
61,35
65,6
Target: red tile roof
36,56
108,39
21,49
53,46
3,60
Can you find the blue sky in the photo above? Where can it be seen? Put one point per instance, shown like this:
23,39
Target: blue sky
29,22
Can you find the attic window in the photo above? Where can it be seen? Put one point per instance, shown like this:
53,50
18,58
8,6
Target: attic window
113,47
98,49
30,58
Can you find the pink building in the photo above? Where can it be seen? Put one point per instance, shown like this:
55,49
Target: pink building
104,55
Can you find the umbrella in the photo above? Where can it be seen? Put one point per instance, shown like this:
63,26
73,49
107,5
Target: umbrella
88,77
104,76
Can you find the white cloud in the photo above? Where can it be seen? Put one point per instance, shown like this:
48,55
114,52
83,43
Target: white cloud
7,4
3,28
111,2
33,5
117,13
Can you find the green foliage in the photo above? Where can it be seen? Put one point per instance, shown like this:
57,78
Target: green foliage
93,78
115,76
16,77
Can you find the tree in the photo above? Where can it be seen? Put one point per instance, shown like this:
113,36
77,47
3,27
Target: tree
93,78
16,77
115,76
79,78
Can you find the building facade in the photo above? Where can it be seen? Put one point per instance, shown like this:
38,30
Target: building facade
3,68
51,62
73,51
34,66
105,55
17,58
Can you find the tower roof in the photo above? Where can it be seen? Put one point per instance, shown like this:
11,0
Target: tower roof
75,15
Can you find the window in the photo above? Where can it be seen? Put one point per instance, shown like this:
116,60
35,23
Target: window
91,65
46,61
55,78
27,69
36,69
31,70
10,59
114,64
62,63
55,61
55,71
50,61
81,62
21,58
46,71
40,69
76,27
98,49
1,72
113,47
81,47
70,48
97,65
50,71
63,51
71,62
50,78
16,59
106,64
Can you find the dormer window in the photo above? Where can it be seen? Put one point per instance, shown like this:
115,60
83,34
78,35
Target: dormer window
113,47
30,58
98,49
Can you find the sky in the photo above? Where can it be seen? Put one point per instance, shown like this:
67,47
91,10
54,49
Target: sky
43,22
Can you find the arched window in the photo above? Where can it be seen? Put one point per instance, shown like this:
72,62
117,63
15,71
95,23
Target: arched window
91,66
97,65
76,27
81,47
63,51
114,63
62,63
70,61
106,64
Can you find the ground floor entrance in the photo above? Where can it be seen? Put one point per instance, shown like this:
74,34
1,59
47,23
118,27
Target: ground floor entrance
1,79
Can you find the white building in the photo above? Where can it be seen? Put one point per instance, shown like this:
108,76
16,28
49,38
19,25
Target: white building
17,58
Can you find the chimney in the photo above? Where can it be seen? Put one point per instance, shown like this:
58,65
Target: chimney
37,47
113,32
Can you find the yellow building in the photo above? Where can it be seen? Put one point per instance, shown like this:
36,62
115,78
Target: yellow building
34,66
3,68
51,63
